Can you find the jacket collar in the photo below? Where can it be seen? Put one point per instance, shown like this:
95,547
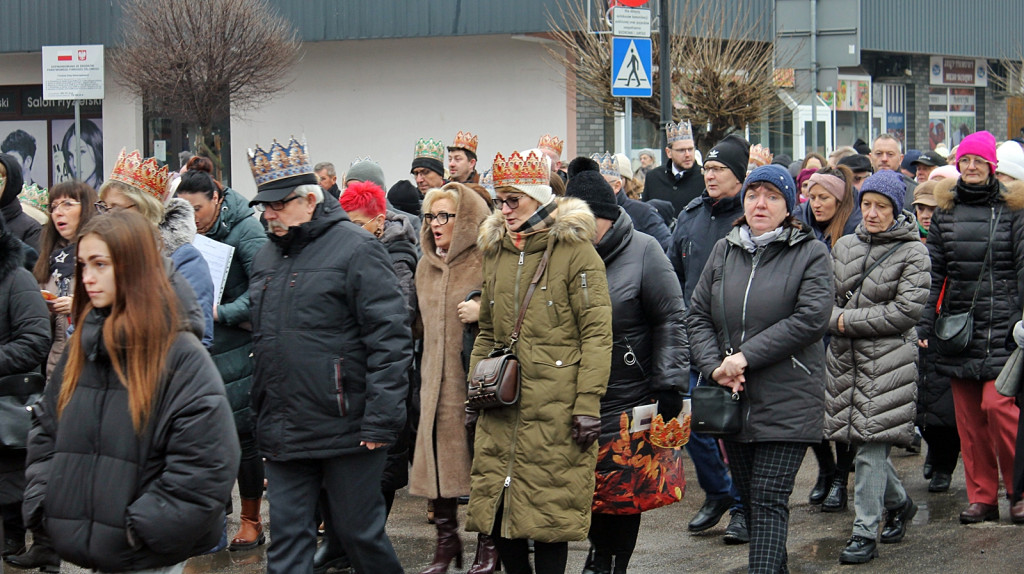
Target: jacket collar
574,223
903,229
233,209
326,215
617,238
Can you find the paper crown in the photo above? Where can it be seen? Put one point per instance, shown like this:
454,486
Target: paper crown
550,142
142,174
487,181
279,162
680,131
518,170
430,149
358,159
670,435
607,163
761,155
466,141
37,197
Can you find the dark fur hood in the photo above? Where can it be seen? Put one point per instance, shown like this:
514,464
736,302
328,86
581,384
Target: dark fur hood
574,223
178,226
1013,194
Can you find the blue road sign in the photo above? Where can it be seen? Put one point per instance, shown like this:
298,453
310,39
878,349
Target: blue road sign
631,67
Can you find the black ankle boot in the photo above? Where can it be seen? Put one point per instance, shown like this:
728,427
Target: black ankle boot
837,497
821,488
598,562
40,555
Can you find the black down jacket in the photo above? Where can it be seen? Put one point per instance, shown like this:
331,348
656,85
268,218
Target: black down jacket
957,242
661,183
117,501
648,322
24,344
698,229
333,346
779,303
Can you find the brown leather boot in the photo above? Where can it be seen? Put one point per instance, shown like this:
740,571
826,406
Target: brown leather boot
449,545
250,532
486,561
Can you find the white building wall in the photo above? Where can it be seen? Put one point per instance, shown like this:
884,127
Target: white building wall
377,97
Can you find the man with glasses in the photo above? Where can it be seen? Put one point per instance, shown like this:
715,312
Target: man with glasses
428,165
701,224
332,349
679,180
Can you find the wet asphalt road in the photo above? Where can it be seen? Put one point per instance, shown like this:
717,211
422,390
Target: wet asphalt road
935,542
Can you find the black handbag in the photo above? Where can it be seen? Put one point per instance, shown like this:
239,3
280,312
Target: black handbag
496,381
953,331
17,394
714,409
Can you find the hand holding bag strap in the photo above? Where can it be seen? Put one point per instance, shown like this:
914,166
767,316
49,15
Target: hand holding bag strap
529,293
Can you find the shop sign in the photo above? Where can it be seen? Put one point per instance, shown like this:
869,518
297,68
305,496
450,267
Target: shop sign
8,101
958,72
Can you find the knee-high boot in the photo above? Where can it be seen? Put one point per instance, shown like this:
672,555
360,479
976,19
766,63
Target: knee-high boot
449,545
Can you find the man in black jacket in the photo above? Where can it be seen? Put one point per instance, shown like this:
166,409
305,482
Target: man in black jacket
332,349
679,181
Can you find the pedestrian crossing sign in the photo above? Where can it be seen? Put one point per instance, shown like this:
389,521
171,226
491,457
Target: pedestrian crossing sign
631,67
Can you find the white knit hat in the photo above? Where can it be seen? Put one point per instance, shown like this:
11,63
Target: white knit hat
1011,159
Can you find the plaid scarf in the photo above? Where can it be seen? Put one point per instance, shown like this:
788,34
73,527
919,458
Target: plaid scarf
541,220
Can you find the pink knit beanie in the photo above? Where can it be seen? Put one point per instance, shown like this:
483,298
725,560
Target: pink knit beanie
981,144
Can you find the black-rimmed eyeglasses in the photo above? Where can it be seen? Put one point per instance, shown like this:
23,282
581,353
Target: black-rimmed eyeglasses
511,201
275,205
442,217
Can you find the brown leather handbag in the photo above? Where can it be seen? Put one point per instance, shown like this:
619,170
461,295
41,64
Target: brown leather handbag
496,381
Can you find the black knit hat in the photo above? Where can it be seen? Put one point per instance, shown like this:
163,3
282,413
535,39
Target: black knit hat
734,153
591,187
857,163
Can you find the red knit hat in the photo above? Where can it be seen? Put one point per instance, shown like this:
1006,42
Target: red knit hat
981,144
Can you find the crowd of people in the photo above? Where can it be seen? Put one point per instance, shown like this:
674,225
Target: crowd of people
851,304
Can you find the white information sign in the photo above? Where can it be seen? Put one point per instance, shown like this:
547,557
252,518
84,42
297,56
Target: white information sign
631,22
73,72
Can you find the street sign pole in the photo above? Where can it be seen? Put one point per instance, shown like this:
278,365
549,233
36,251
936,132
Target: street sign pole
78,140
628,128
665,69
814,74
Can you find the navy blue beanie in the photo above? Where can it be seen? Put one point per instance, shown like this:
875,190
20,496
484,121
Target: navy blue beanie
779,177
888,183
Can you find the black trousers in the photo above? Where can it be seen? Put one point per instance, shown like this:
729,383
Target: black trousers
250,470
765,473
354,500
944,448
548,557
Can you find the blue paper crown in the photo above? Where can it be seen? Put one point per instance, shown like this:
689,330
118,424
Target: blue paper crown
279,162
607,163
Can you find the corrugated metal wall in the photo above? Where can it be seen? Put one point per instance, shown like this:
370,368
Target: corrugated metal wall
941,27
986,29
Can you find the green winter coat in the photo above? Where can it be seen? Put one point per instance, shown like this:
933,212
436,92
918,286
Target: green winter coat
232,337
525,459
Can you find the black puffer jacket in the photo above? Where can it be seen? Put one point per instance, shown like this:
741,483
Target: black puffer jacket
19,223
776,315
698,229
327,316
116,501
648,322
957,243
646,219
24,344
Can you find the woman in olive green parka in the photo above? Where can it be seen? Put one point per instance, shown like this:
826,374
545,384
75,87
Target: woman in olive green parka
533,470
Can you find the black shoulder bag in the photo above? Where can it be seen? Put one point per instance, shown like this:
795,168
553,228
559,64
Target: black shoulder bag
715,410
953,331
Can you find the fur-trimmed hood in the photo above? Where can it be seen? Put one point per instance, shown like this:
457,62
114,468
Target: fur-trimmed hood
178,226
1012,193
574,223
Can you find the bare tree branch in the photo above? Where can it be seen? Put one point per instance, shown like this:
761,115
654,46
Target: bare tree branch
721,70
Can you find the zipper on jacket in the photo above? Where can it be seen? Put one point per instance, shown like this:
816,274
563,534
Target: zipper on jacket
519,274
746,294
991,289
586,293
505,531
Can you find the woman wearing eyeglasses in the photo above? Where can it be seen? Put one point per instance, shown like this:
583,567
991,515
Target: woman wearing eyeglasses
137,185
533,464
448,272
976,244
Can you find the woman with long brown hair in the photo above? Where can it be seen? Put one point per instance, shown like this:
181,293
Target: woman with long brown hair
135,402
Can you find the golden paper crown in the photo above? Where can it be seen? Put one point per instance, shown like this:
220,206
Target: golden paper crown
761,155
671,435
37,197
142,174
517,170
466,141
279,162
607,163
430,149
550,142
680,131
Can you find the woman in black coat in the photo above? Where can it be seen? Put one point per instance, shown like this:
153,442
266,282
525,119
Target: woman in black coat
649,364
24,344
133,451
765,344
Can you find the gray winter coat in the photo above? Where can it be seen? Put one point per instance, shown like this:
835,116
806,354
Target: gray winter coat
872,364
777,310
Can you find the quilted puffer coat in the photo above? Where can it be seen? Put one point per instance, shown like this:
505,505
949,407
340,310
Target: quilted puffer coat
872,363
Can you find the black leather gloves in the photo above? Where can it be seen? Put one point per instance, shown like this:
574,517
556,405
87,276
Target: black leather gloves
670,402
585,430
